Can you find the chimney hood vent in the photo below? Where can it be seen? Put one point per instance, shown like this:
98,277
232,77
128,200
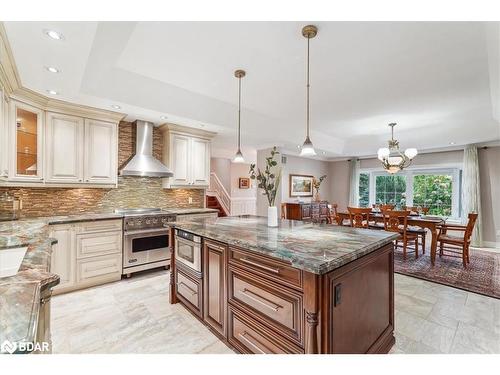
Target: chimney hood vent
143,163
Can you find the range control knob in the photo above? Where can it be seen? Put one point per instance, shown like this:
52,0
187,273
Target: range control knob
148,221
155,221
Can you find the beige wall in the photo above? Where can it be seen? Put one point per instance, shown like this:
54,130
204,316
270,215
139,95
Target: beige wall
489,171
222,168
241,170
298,165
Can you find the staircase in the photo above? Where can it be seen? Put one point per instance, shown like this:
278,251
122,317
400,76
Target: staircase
213,202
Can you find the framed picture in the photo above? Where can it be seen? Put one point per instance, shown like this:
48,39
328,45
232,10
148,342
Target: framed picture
244,183
301,185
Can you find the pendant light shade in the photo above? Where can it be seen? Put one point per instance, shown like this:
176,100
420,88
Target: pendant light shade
238,158
307,149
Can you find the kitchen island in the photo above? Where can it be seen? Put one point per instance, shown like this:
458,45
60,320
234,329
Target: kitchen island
298,288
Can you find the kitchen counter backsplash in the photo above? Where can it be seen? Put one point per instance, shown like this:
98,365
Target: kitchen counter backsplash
132,192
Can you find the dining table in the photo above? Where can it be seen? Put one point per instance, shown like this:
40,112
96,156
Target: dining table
431,223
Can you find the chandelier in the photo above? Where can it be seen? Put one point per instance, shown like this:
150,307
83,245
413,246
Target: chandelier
393,160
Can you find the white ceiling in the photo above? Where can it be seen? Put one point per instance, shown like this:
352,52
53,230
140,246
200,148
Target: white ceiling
438,80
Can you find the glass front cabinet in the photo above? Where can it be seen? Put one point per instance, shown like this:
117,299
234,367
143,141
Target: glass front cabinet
26,142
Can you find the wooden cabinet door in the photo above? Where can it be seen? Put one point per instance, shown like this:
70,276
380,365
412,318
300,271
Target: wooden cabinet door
64,148
180,159
25,143
63,259
200,162
214,285
101,153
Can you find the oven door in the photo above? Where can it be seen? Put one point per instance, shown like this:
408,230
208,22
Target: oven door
142,247
188,253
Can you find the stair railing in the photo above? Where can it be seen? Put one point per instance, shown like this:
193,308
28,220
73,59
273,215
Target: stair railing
216,189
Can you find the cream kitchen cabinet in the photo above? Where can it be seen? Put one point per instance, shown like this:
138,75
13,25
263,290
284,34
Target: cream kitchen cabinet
64,148
87,254
187,154
101,152
63,259
25,128
4,110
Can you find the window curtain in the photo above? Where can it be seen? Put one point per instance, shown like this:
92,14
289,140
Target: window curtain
471,196
354,183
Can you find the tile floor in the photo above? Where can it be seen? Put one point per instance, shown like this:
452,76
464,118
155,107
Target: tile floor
134,316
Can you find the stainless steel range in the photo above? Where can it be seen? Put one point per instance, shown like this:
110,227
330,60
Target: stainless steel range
146,239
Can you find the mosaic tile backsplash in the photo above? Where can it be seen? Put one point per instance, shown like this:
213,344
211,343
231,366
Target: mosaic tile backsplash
132,192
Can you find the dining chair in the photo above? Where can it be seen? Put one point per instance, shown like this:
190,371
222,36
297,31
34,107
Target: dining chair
359,216
420,232
397,221
386,207
333,215
449,245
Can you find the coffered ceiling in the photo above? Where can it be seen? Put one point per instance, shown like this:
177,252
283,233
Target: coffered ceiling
438,80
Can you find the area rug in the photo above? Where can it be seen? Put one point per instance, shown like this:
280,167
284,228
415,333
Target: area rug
481,276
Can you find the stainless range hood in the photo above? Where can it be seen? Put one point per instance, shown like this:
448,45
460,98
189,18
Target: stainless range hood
143,163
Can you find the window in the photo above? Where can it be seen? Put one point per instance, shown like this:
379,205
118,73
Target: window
433,191
438,189
390,189
364,190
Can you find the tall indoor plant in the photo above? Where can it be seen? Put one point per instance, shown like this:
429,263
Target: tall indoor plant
269,181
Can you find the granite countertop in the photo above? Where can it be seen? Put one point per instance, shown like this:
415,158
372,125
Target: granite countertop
311,247
20,294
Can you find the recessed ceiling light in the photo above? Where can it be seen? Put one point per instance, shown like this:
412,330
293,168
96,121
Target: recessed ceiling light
54,34
51,69
298,146
163,117
115,106
324,153
52,92
452,143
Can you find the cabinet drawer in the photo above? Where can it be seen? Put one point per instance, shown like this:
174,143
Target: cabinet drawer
97,244
268,302
99,226
189,291
266,267
249,336
99,269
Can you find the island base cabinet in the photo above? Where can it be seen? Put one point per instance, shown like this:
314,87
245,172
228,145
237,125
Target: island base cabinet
189,290
359,305
214,284
249,336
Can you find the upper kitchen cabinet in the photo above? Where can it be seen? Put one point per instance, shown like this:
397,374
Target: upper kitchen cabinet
64,148
187,153
4,118
101,152
25,129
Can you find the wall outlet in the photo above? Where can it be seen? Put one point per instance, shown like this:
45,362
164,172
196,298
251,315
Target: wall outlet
190,200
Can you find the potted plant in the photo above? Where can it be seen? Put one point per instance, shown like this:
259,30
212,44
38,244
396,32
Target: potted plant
317,185
269,182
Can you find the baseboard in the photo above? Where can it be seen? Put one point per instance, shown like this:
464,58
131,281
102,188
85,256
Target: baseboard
491,246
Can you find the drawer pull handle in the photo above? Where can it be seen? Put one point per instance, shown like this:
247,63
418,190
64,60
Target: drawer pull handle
190,290
252,341
262,300
270,269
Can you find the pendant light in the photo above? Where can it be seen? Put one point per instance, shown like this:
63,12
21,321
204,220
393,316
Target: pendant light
308,32
238,158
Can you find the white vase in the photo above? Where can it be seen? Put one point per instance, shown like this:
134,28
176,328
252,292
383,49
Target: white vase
272,216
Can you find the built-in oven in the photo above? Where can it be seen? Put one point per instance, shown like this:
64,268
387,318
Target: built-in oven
188,249
145,247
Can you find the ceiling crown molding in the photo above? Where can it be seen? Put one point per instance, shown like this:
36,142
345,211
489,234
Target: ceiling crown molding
11,82
9,77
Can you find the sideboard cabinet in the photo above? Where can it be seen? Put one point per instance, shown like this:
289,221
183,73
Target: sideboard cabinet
316,211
